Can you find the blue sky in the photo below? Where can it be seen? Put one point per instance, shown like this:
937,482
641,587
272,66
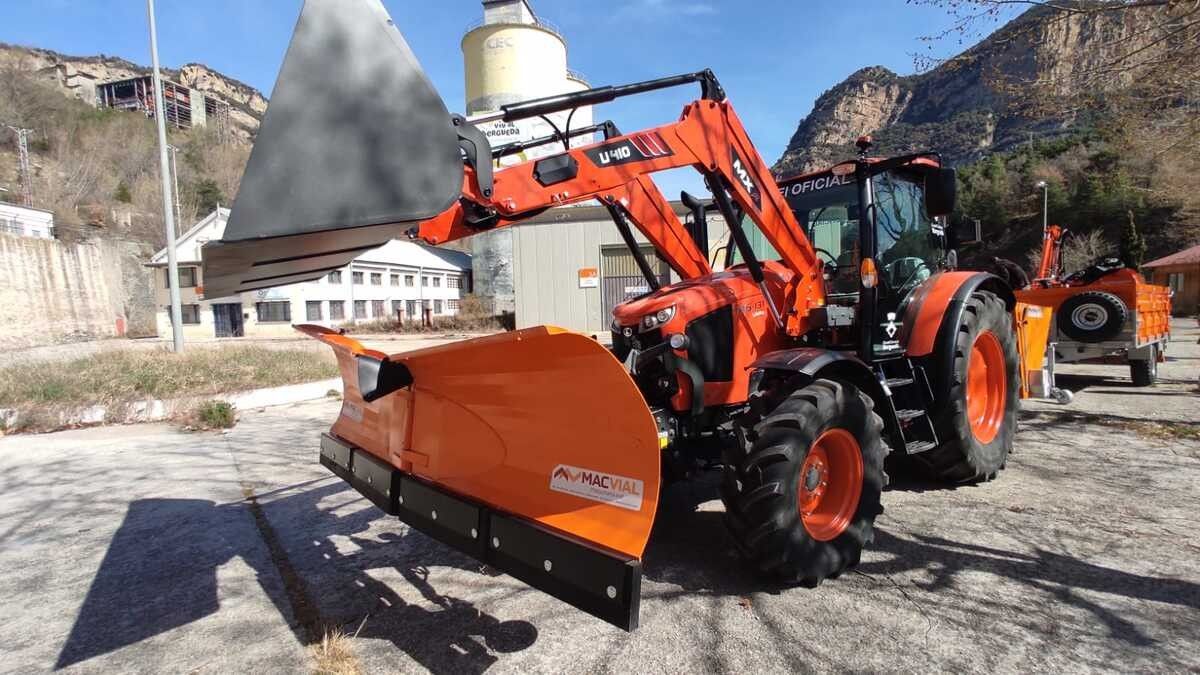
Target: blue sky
774,57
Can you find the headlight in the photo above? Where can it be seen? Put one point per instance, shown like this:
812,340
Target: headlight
652,321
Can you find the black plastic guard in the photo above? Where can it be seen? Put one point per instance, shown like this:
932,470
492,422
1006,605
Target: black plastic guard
603,584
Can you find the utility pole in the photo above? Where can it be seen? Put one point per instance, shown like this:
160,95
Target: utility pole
1045,203
164,171
23,165
175,174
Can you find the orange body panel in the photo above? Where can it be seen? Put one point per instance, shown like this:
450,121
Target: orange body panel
1033,335
932,298
542,423
754,332
1051,246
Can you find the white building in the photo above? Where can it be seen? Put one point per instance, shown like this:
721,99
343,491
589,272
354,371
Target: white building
393,281
26,222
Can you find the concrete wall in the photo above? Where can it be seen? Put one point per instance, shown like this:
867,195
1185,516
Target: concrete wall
55,292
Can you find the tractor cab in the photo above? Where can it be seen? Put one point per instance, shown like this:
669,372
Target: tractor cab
879,227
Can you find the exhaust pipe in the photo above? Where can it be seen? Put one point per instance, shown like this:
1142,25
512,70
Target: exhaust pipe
356,145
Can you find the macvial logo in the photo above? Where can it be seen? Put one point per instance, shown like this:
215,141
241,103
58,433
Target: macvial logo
597,486
743,176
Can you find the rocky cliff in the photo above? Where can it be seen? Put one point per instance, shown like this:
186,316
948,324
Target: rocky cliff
247,104
966,107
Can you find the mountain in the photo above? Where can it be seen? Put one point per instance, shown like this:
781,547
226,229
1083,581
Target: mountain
961,107
247,104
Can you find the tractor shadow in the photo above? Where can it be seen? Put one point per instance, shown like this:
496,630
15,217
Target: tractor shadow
319,569
691,549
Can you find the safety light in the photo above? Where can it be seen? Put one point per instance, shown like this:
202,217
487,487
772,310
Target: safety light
868,273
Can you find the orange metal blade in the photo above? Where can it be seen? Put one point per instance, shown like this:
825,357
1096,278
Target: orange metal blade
542,423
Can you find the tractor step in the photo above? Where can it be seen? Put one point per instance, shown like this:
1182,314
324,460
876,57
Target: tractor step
917,447
895,382
909,415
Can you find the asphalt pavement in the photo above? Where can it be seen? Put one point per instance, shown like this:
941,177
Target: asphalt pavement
147,549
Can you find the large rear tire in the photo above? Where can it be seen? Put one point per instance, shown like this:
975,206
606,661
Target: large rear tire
803,482
977,415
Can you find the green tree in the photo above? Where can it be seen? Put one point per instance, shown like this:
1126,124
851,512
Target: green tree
1133,246
122,193
208,195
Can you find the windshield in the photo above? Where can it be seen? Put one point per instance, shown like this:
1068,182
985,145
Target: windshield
909,247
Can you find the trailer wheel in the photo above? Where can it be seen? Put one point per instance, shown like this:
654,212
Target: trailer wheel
802,483
977,415
1092,316
1144,373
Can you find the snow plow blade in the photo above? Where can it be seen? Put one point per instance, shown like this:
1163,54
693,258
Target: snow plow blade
355,147
532,451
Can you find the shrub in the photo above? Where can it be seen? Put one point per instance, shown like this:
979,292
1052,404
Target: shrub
214,415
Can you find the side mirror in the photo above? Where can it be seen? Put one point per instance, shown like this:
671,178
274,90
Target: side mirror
965,231
941,187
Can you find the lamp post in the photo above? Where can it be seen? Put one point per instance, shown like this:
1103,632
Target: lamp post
1045,203
165,172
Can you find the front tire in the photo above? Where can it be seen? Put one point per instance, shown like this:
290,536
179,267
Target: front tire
977,415
803,483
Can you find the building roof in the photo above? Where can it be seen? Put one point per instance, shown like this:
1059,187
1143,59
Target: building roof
1184,257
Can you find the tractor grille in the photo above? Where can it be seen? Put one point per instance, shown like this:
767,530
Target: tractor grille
655,383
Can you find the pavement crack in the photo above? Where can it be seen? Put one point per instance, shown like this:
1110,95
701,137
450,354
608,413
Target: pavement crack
304,611
899,587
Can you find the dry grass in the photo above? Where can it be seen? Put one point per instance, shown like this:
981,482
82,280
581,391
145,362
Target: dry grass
123,376
334,654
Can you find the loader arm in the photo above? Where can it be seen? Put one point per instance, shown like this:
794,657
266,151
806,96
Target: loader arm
708,136
1050,266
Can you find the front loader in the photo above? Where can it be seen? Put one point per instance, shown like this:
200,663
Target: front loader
541,451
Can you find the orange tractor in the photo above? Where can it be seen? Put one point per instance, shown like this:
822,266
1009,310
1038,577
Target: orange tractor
828,339
1106,312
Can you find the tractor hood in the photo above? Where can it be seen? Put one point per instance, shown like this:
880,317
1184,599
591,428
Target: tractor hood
354,147
696,297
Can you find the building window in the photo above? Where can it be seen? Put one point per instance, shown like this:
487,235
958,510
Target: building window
357,278
274,311
1175,282
453,282
437,282
360,309
437,306
410,280
337,310
11,226
397,305
377,309
335,277
452,305
411,308
376,279
187,277
190,314
424,281
312,310
395,279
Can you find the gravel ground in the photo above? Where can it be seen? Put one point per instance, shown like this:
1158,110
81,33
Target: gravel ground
144,549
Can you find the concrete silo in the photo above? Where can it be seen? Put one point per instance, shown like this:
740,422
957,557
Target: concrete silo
512,55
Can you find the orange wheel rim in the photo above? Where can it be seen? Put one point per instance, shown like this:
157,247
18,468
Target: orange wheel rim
830,484
987,387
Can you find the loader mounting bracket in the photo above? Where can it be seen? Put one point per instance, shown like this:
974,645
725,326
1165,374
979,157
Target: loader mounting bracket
475,146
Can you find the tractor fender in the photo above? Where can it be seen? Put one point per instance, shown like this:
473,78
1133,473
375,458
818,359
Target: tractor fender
939,303
811,364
